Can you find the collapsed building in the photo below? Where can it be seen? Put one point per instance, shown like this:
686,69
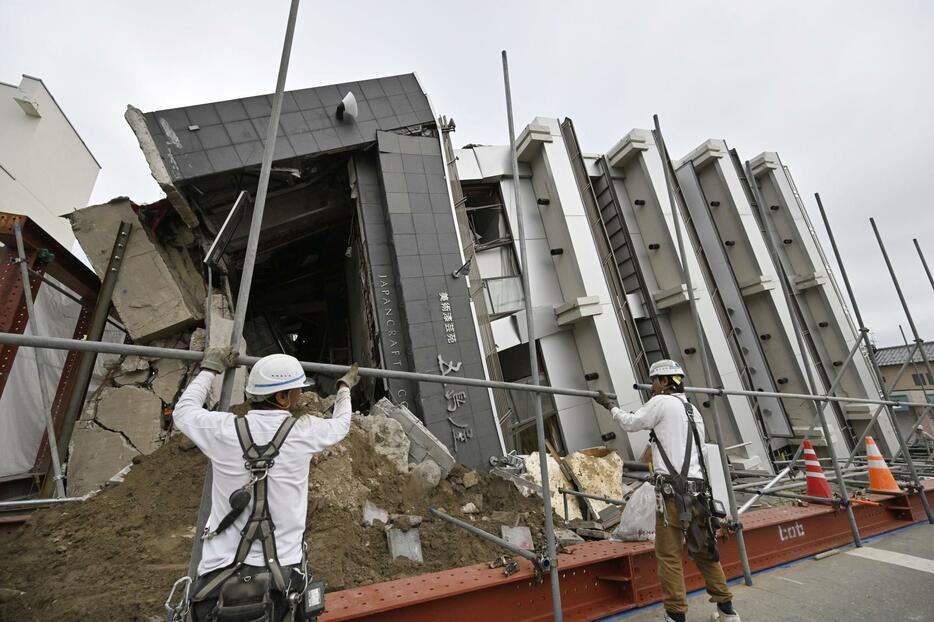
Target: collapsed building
384,244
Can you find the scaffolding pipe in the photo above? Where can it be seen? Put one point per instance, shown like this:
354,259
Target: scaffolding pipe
924,262
771,484
512,548
533,359
611,501
719,392
40,503
67,294
799,325
879,409
246,276
191,356
95,333
32,325
870,351
670,185
924,357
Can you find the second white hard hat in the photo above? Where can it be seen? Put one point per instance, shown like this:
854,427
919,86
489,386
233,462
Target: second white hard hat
274,373
666,367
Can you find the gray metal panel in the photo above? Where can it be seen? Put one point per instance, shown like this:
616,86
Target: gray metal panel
426,252
747,350
385,103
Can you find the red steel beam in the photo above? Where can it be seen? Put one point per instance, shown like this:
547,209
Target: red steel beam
13,316
599,579
66,385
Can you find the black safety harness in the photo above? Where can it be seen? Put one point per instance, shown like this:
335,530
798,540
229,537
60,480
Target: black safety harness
258,459
690,493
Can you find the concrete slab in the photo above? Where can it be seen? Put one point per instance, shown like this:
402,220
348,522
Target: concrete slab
169,376
406,544
136,413
156,291
519,536
841,587
96,456
372,513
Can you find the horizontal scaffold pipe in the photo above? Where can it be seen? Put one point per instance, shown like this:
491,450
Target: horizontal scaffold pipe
101,347
790,396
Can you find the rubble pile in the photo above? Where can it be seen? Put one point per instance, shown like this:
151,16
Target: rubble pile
115,555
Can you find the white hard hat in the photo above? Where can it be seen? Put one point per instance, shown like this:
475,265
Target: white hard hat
666,367
274,373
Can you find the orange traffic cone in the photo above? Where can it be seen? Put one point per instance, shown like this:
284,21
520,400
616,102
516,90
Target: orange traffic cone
817,481
880,478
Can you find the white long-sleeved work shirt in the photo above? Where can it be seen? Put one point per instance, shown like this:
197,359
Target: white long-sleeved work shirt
665,414
287,491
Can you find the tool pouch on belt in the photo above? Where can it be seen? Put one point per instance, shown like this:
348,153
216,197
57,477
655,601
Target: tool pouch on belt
693,499
244,597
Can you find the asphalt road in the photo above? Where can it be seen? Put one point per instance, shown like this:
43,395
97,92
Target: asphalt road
890,579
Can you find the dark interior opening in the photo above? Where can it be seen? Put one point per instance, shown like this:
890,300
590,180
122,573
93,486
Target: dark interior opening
307,296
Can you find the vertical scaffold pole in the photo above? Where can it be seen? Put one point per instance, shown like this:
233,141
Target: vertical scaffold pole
924,383
702,349
901,297
875,364
799,325
246,277
533,360
33,327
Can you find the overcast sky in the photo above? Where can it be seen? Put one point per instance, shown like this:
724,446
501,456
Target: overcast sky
842,90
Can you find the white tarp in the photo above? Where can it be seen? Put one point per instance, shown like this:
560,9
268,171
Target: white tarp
22,422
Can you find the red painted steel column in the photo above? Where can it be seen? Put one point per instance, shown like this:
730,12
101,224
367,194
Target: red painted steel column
13,316
66,385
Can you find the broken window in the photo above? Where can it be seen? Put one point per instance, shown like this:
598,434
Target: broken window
519,425
307,296
494,250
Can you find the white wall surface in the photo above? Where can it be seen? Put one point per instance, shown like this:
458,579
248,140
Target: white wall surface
46,170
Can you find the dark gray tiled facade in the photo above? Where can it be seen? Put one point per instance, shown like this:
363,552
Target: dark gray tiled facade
387,296
231,134
407,221
436,306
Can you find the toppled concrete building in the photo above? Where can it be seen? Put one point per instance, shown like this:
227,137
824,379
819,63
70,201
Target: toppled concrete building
358,249
383,244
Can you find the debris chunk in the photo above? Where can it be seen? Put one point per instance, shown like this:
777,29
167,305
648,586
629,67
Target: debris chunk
404,543
470,508
373,513
519,536
388,439
567,537
470,479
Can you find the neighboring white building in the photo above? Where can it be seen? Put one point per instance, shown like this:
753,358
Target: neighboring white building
46,170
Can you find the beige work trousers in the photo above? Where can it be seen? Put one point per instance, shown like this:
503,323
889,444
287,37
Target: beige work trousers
669,545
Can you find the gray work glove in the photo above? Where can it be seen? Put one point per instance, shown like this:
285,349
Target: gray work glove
604,400
219,359
351,378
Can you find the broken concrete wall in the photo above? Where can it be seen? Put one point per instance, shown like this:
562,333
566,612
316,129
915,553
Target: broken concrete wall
159,289
125,416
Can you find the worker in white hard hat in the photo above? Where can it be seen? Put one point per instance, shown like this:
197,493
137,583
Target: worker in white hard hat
253,552
685,506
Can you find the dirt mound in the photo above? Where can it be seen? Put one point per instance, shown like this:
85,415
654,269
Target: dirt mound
115,556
